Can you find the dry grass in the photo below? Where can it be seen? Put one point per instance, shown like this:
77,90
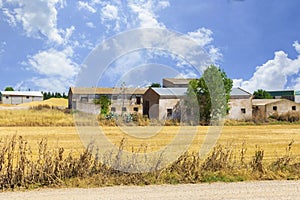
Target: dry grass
272,138
37,116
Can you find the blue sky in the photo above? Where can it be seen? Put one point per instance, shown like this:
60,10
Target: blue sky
43,44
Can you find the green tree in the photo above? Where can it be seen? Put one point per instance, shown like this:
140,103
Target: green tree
104,102
155,85
9,88
213,92
262,94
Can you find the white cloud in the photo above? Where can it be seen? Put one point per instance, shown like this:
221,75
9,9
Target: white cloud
109,12
90,25
37,18
202,36
1,3
274,74
54,63
56,69
86,6
145,12
296,45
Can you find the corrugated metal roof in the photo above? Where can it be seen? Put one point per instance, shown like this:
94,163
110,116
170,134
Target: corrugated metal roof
75,90
22,93
262,102
239,92
170,91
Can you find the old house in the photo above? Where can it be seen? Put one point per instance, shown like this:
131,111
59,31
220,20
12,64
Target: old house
123,100
159,103
267,107
19,97
240,104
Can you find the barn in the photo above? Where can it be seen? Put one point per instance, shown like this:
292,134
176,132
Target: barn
19,97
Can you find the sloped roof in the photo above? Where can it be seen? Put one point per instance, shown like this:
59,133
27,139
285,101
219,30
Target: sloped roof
22,93
239,92
170,91
178,80
262,102
76,90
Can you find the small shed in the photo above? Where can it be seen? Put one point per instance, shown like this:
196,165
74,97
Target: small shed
19,97
159,103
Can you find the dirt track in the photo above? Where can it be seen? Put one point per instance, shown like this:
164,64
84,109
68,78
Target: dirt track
244,190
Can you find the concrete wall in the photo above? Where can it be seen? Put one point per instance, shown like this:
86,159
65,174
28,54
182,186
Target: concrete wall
164,105
282,107
237,106
14,100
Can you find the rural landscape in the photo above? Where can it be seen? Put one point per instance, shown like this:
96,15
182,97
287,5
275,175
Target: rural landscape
41,147
149,99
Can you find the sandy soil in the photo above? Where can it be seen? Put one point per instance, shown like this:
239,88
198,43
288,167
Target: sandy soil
243,190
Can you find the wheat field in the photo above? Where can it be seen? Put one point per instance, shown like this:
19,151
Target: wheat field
272,138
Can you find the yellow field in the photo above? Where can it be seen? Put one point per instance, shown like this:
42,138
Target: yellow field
272,138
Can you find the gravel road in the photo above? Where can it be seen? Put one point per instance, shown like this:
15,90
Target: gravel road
242,190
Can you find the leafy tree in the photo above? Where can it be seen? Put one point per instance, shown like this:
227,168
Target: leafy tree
262,94
213,92
9,88
155,85
104,102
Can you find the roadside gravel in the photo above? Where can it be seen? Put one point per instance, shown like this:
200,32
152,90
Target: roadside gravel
241,190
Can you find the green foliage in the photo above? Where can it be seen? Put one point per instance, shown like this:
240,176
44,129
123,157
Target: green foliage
49,95
213,93
104,102
262,94
155,85
9,89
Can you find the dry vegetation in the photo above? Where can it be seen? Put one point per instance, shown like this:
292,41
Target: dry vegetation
40,147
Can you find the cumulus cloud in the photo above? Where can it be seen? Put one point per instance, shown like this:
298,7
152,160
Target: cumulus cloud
38,18
86,6
55,66
296,45
274,74
54,63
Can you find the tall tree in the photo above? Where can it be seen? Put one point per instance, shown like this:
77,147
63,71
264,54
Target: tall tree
262,94
213,93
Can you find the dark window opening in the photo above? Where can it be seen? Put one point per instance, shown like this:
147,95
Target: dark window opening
275,108
124,109
113,109
115,97
84,99
27,97
7,97
293,107
138,100
169,113
243,110
136,109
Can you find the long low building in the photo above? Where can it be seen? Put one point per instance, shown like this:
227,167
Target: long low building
19,97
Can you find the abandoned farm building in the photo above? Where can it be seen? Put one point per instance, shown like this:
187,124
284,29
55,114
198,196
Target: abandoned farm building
264,108
159,103
122,99
19,97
